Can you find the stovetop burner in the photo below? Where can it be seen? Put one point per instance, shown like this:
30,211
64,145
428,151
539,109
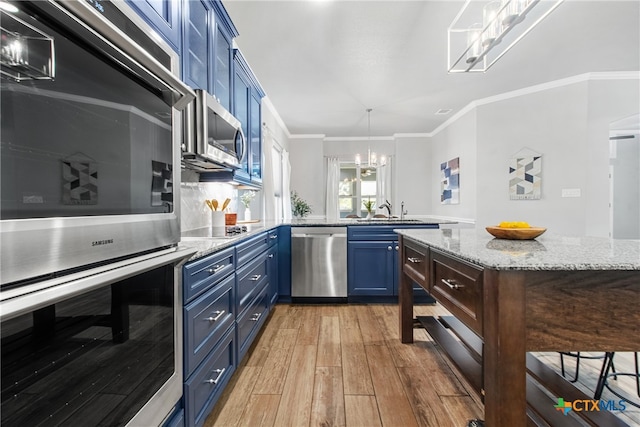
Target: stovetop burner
229,231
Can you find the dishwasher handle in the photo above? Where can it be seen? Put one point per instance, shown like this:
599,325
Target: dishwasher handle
307,235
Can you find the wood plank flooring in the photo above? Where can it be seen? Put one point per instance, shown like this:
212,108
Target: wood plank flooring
343,365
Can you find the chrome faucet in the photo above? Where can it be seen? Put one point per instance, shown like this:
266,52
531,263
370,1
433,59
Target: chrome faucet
402,211
387,206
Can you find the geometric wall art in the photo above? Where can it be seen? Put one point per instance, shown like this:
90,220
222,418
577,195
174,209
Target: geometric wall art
79,180
450,182
525,178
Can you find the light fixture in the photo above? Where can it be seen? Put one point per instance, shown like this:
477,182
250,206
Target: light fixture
372,157
483,32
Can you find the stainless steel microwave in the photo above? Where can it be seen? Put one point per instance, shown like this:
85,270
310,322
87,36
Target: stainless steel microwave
213,139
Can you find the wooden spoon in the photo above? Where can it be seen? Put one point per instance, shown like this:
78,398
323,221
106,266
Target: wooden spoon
214,202
209,204
225,204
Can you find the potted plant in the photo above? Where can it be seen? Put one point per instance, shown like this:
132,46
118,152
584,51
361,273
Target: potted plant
246,199
299,207
369,205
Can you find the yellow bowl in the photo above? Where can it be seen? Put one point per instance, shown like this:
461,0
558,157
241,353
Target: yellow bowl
516,233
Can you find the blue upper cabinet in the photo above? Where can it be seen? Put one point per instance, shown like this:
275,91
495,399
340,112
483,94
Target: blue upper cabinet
247,98
207,48
164,16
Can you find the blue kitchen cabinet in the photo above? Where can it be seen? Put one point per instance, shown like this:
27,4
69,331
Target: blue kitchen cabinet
247,98
371,268
372,263
207,50
284,263
165,18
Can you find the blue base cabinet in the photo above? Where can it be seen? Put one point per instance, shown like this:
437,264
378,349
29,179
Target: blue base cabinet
227,298
372,263
371,268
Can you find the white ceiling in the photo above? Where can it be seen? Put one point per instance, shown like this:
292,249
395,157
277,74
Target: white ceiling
323,63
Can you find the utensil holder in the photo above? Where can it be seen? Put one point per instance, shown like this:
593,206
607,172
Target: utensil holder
217,223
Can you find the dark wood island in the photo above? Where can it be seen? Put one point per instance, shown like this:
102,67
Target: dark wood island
511,297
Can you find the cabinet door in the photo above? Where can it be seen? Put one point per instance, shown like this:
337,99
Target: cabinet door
241,112
371,269
255,136
163,16
197,44
222,66
272,273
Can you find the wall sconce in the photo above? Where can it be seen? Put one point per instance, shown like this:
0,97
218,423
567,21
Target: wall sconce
482,32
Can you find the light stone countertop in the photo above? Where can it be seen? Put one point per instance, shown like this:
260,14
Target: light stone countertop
547,252
208,245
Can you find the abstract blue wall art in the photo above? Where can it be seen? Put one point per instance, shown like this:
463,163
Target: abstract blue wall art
525,178
450,182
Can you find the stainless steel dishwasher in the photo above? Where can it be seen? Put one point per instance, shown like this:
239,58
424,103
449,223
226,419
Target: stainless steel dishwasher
318,263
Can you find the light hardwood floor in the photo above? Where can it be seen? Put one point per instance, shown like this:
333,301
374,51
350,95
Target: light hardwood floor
344,365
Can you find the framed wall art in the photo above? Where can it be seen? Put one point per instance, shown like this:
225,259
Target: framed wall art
450,182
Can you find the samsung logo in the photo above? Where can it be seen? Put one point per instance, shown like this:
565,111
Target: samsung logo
102,242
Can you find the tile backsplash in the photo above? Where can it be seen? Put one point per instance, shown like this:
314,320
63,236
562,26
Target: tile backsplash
194,212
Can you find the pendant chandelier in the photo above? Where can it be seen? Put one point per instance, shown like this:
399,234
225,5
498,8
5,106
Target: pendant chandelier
483,32
372,157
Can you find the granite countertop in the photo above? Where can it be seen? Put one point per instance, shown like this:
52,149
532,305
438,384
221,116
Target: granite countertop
547,252
208,245
305,222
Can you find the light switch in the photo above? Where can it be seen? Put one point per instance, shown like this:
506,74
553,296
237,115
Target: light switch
571,192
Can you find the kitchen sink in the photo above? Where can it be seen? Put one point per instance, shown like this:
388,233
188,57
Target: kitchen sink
382,220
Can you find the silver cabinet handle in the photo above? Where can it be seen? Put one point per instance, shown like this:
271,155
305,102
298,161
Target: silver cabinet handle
216,268
218,314
452,284
220,372
397,247
270,256
414,260
389,248
275,236
255,277
255,317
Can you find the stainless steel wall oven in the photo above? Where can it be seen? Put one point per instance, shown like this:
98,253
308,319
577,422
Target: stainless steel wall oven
91,130
90,288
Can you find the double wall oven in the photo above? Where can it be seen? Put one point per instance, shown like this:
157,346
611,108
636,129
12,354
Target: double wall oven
90,299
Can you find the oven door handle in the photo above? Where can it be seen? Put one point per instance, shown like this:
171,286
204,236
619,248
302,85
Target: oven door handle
32,297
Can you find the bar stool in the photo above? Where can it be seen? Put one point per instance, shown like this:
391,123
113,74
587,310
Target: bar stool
603,382
579,356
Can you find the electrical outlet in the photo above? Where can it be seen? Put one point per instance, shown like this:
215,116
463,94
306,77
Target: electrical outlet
571,192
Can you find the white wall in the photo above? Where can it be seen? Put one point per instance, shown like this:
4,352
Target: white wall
412,179
307,171
568,125
456,140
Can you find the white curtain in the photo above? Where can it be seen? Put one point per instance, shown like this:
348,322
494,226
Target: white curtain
333,177
286,186
383,183
268,187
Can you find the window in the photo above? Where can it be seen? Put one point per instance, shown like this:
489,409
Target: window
276,160
356,184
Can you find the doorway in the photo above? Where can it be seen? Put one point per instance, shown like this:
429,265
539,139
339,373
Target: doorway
624,178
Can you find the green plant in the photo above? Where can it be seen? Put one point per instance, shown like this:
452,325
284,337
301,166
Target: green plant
299,207
369,205
247,197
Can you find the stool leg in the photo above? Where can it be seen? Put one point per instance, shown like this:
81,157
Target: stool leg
577,356
606,366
